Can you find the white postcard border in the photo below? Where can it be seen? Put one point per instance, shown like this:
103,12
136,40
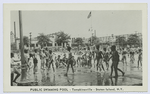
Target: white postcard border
6,42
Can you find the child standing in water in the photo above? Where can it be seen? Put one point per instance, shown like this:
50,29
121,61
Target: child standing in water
99,57
89,57
57,61
132,55
115,62
106,57
50,60
70,60
35,61
31,66
124,59
43,56
140,58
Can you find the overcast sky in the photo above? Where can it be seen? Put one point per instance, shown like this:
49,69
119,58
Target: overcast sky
76,23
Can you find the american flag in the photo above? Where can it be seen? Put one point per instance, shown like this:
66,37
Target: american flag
89,15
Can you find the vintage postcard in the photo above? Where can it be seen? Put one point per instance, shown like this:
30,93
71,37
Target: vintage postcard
75,47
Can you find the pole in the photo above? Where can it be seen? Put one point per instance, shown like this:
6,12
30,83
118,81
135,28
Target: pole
15,35
91,20
95,33
23,71
30,41
91,30
92,40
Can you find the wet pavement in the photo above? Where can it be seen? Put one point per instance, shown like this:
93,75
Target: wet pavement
85,76
88,77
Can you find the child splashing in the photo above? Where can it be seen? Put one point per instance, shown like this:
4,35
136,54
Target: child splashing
70,61
106,57
99,57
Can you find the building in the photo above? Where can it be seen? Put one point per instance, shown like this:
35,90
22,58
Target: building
52,43
85,40
34,42
111,40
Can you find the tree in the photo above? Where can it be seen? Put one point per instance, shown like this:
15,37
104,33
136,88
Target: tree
13,46
43,39
61,37
25,40
121,40
133,40
87,44
78,41
94,40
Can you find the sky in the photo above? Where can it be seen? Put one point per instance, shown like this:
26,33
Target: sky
76,23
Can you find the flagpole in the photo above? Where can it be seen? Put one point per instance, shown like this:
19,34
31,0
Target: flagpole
89,16
91,29
91,20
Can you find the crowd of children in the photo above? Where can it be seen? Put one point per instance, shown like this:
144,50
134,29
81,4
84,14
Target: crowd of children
49,59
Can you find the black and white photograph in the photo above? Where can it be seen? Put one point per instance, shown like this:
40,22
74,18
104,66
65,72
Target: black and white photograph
76,48
96,48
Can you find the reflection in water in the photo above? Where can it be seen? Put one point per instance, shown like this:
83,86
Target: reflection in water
43,76
99,79
35,77
70,80
107,82
103,79
47,79
112,82
106,79
131,67
91,83
53,82
124,68
123,79
47,82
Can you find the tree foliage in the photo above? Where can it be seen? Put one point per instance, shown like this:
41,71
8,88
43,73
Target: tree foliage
13,46
133,40
121,40
94,40
62,37
79,41
25,40
43,39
